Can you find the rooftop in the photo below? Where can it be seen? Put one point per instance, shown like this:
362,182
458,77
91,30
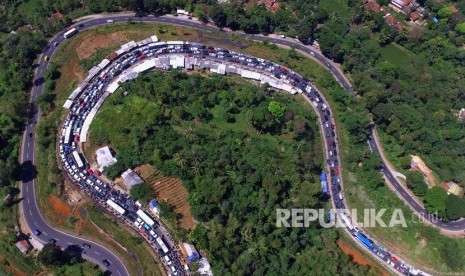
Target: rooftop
104,158
131,178
373,6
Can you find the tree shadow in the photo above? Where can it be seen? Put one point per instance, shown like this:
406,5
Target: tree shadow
73,254
26,172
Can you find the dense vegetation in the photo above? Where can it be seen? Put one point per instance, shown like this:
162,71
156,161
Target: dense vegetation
241,153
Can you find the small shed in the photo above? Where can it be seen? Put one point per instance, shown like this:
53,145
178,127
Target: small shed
23,246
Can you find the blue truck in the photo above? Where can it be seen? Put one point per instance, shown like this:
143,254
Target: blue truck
323,176
366,241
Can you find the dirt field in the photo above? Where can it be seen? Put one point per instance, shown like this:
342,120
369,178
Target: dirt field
358,257
170,190
427,172
11,268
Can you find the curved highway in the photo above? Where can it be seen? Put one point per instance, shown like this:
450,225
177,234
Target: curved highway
30,210
458,225
97,253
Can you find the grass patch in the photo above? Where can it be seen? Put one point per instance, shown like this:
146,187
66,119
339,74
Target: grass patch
133,242
397,54
340,7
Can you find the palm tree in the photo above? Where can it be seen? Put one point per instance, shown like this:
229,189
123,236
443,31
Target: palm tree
190,133
180,159
196,168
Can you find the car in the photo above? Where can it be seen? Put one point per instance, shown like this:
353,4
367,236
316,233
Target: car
106,263
190,17
85,245
36,232
110,21
46,58
39,81
30,134
53,241
56,43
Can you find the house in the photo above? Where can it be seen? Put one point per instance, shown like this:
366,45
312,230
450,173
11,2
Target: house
400,3
462,113
190,253
452,188
453,9
204,267
414,16
104,158
267,3
25,28
57,16
154,207
274,7
23,246
130,178
392,21
373,6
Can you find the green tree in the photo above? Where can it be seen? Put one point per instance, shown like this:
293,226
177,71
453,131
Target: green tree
460,28
416,183
435,200
51,254
455,207
141,192
277,110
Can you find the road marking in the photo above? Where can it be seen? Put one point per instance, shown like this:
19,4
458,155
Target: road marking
27,154
119,273
28,201
30,212
69,243
27,188
45,234
97,253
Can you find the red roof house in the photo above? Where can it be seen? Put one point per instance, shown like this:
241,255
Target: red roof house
373,6
414,16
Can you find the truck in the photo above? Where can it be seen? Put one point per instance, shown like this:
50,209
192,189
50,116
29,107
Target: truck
366,241
323,176
324,187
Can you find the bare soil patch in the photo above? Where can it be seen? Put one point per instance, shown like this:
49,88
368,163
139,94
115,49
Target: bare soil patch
170,190
359,258
427,172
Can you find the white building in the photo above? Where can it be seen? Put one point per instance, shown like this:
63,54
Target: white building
131,178
104,158
204,267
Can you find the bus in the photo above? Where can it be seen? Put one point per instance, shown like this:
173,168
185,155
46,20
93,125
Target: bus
78,159
162,245
116,207
70,33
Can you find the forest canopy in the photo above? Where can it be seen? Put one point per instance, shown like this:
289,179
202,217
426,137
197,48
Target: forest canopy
209,132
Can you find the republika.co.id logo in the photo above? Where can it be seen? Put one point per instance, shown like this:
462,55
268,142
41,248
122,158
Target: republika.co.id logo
339,218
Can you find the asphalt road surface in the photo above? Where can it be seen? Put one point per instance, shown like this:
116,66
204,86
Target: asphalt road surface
458,225
32,216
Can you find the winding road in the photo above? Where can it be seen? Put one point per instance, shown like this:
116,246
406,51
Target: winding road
97,253
30,210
